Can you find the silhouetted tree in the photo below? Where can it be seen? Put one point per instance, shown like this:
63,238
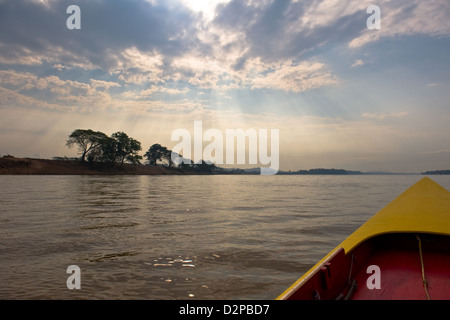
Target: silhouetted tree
88,141
204,166
157,153
126,148
98,147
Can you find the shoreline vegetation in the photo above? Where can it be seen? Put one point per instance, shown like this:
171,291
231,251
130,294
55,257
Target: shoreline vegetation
118,154
10,165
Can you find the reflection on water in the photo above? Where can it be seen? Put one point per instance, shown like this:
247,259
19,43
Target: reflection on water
177,237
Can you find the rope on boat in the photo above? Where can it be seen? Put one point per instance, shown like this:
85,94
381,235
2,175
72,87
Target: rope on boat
424,279
351,267
353,285
352,289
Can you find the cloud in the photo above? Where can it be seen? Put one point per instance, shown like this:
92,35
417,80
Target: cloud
400,115
407,18
103,84
218,45
274,30
205,7
10,98
26,90
294,77
289,30
137,67
149,92
60,67
135,51
157,43
107,27
383,116
271,30
442,151
358,63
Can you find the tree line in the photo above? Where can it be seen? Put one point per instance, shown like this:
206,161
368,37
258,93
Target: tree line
95,146
119,148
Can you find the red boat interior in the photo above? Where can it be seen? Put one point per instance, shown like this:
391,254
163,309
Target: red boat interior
386,267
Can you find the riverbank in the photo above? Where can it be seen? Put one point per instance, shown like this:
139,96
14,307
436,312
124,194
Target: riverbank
12,165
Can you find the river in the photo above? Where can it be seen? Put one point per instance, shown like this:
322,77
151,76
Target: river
178,237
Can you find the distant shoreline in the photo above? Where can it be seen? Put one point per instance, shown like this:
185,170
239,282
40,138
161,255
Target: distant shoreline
10,165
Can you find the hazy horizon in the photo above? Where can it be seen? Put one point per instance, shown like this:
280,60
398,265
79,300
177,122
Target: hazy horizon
341,95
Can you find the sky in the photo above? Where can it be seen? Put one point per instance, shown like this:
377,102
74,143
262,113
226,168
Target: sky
341,95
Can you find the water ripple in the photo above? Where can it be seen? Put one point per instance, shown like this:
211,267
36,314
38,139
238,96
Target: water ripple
177,237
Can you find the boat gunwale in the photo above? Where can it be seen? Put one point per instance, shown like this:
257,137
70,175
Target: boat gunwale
329,257
382,224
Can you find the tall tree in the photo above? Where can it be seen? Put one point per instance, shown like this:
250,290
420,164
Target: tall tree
107,152
87,141
126,148
157,153
98,147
